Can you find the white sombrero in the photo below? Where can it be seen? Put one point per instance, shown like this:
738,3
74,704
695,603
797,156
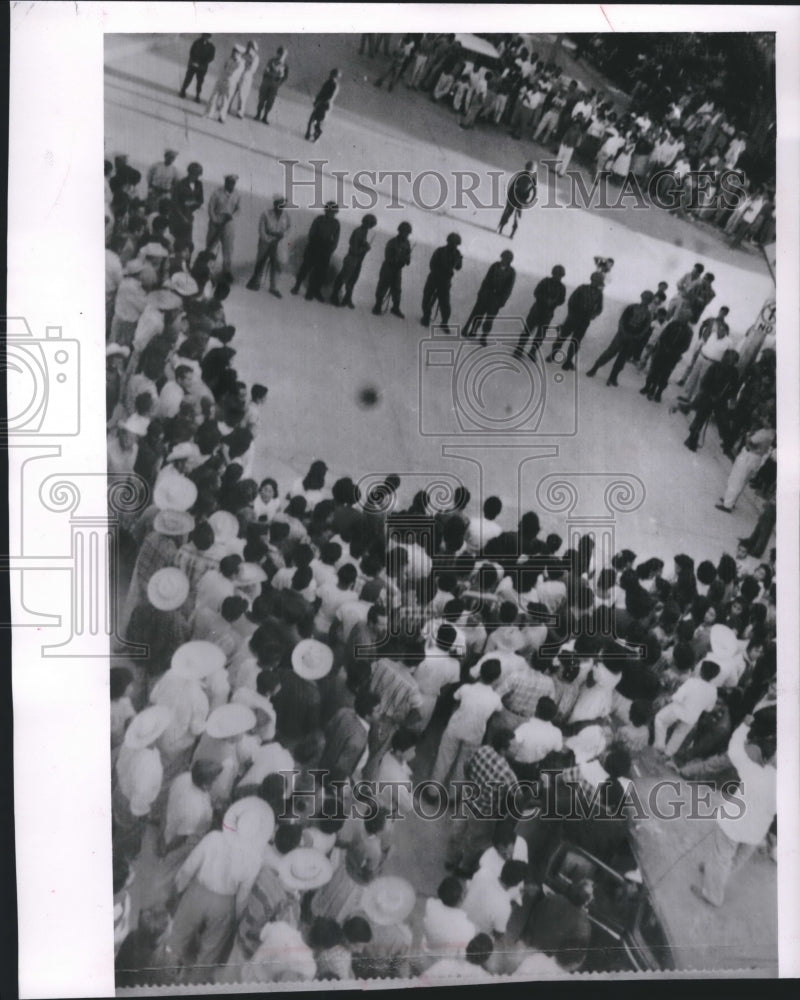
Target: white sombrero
388,900
304,868
174,492
173,522
167,588
147,726
312,659
230,720
197,659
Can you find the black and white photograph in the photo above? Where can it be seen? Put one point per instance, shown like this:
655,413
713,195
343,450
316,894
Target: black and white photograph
438,543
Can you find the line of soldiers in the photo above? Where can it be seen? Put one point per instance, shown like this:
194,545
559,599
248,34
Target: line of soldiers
585,303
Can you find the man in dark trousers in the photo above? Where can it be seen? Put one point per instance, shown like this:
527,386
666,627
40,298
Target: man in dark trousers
584,305
634,325
275,73
323,238
187,199
672,345
521,194
493,294
548,295
201,55
322,105
272,228
357,250
396,256
445,261
717,388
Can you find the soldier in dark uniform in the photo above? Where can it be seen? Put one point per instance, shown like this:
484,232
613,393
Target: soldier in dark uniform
275,73
201,55
493,294
357,250
548,295
396,256
585,303
322,105
323,238
188,198
717,388
672,345
634,326
445,261
521,194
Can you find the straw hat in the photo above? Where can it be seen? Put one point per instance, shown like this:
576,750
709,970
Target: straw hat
113,349
154,251
167,589
225,525
174,492
165,299
134,266
136,424
249,574
251,819
182,284
173,522
230,720
312,659
147,726
304,869
197,659
388,900
186,449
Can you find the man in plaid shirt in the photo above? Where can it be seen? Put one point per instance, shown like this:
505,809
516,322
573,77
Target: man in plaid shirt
489,770
525,690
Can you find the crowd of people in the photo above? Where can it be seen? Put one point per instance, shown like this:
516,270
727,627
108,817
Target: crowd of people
294,646
532,98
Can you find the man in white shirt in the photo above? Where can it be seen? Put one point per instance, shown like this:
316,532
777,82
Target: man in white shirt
483,529
437,670
742,824
537,737
467,725
446,928
488,900
693,697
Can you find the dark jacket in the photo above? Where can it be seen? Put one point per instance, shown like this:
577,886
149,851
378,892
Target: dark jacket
397,253
674,340
345,742
586,302
445,261
323,236
548,295
498,284
202,53
358,247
